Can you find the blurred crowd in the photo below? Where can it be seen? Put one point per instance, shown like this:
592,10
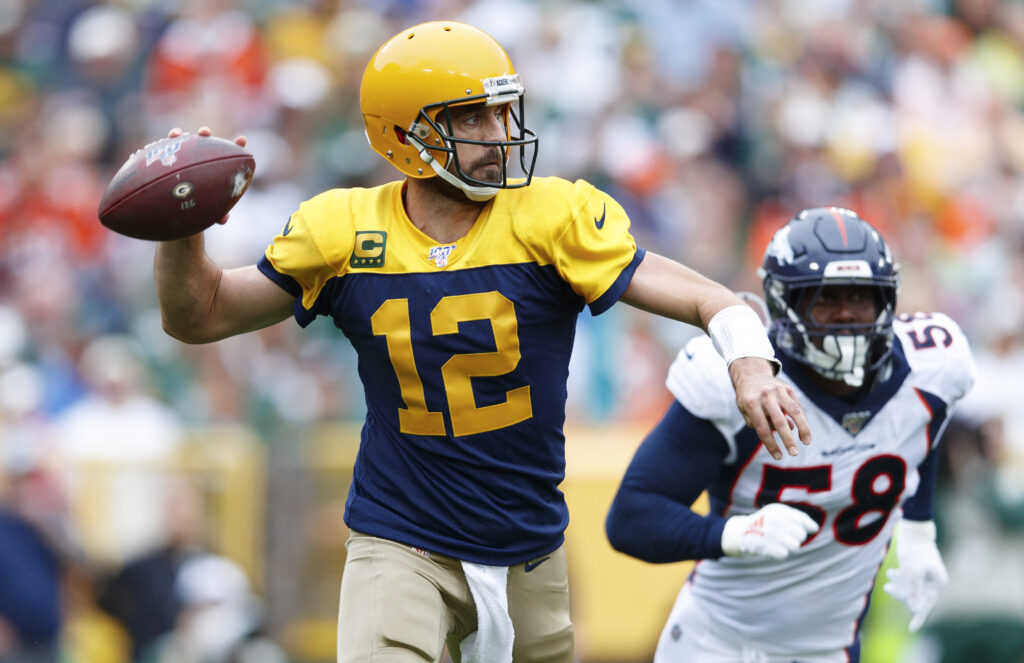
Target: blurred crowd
712,121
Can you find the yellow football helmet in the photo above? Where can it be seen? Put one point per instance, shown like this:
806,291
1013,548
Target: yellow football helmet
425,70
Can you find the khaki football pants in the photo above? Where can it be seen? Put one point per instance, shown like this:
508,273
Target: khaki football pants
400,605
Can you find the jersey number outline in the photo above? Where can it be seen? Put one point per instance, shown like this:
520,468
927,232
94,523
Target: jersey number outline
926,338
847,527
391,320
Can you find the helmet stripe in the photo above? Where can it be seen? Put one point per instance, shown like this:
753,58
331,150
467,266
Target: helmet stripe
839,222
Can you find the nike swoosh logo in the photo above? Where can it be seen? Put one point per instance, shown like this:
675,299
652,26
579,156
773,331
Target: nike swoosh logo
530,566
600,222
287,227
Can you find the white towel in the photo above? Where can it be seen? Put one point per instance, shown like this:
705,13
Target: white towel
492,640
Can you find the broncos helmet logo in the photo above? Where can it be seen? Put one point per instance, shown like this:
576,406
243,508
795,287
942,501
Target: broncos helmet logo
779,248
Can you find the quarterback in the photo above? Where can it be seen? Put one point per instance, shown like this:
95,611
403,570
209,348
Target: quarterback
459,287
790,549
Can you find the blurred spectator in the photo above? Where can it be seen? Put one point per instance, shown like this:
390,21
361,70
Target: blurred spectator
33,553
209,66
221,619
36,540
142,594
115,446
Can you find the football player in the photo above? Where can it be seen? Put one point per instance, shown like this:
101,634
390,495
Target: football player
790,549
459,287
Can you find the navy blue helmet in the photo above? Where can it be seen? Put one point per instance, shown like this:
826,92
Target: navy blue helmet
820,247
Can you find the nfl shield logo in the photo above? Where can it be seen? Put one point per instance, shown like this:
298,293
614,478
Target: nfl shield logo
853,422
439,254
166,154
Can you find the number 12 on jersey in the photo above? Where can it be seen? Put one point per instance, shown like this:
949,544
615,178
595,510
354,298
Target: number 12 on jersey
391,320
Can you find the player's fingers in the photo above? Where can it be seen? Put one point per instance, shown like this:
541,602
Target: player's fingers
776,551
753,413
801,531
765,434
174,133
790,538
204,131
800,523
894,590
897,586
917,622
809,524
797,420
803,429
240,141
780,423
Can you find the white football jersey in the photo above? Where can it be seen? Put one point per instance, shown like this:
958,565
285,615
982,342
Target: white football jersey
861,466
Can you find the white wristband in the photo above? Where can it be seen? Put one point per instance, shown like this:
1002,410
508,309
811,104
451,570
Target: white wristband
737,332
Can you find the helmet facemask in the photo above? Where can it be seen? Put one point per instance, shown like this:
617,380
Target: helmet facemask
847,352
432,132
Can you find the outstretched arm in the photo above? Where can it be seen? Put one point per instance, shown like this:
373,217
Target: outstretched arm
769,406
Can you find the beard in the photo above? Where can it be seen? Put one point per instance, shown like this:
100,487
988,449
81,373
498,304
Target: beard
447,190
454,193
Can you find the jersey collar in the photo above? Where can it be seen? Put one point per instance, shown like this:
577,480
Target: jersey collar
855,411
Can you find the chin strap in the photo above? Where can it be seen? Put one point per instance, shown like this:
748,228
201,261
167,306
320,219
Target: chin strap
477,194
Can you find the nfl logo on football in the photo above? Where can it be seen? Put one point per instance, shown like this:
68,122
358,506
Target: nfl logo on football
165,153
853,422
439,254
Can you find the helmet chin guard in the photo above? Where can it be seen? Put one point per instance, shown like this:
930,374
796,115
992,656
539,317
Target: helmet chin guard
475,193
818,248
842,357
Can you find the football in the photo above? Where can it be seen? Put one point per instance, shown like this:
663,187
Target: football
176,187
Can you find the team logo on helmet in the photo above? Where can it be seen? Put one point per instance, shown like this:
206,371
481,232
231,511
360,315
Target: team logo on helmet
779,248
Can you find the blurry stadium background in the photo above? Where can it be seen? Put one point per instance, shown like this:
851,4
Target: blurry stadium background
712,121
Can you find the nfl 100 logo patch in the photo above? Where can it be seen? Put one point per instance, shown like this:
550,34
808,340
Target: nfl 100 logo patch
439,254
166,154
853,422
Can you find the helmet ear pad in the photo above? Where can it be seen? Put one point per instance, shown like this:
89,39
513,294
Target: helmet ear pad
395,146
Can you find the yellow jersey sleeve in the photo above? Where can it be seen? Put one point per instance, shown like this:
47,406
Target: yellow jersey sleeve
312,248
595,252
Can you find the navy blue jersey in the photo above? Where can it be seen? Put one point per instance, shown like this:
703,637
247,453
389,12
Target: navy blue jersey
463,354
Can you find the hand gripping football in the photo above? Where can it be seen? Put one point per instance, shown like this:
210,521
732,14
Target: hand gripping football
176,187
